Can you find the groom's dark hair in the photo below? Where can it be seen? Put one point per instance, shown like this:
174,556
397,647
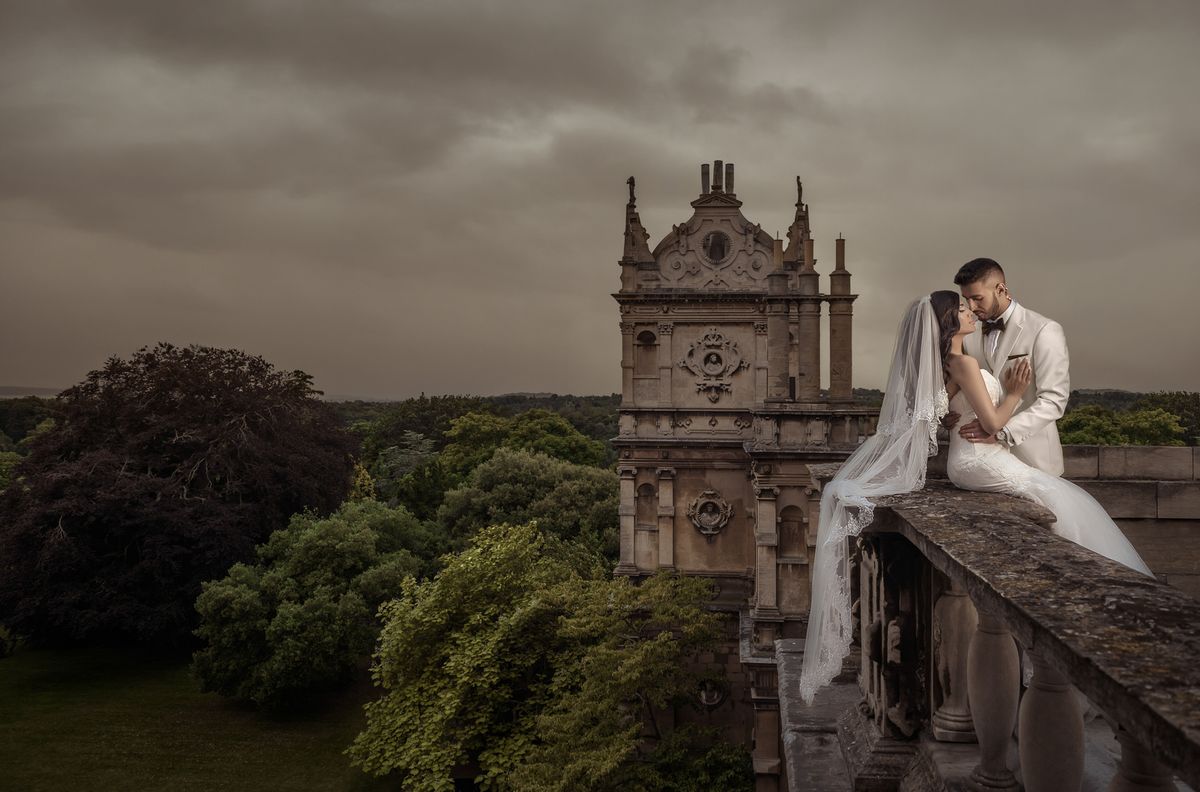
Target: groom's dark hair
976,270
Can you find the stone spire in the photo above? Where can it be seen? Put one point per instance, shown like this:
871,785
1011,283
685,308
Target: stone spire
798,232
637,246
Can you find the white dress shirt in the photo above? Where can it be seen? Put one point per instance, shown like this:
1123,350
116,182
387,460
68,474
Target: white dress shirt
993,338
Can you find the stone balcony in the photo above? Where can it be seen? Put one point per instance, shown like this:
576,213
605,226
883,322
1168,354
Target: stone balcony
944,581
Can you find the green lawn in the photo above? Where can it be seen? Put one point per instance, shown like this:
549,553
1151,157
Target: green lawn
113,721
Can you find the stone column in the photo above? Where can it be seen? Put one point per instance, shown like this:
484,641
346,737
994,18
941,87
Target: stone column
766,540
841,321
1139,770
1050,732
626,511
808,374
666,518
760,362
954,625
993,684
627,363
665,331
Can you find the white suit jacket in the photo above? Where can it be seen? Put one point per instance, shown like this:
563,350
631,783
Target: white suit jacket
1032,429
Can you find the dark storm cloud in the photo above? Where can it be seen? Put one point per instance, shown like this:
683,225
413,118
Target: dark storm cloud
428,196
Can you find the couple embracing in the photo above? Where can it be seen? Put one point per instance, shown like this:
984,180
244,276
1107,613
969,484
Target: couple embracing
999,387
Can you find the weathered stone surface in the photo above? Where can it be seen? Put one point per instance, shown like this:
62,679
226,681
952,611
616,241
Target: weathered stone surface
1179,500
1156,463
1125,499
1081,462
1127,642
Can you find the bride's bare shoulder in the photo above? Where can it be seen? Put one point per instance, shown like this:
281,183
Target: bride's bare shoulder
961,362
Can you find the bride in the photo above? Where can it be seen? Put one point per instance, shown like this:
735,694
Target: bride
930,375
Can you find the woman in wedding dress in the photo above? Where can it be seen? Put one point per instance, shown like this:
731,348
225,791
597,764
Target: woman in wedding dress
929,375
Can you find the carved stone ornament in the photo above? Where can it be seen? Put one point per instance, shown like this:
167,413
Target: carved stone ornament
710,693
709,512
714,359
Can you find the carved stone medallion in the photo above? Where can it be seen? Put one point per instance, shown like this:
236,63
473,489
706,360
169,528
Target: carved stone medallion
714,359
709,512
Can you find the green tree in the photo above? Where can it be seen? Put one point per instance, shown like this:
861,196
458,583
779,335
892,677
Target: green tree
1093,424
474,437
160,472
430,416
575,502
524,656
1184,405
302,618
8,466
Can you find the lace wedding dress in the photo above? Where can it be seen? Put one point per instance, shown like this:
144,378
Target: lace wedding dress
990,467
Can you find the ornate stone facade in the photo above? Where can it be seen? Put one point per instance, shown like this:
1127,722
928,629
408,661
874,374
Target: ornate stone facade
722,410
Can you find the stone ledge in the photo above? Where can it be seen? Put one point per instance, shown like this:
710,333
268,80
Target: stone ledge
1125,500
1127,642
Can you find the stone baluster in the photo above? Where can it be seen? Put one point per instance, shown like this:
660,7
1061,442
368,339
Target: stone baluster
954,625
1050,732
1139,770
993,685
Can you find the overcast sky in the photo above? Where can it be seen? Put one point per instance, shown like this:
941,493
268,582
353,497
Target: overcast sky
429,196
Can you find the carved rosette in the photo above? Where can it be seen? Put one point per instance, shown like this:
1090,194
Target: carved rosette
709,512
714,359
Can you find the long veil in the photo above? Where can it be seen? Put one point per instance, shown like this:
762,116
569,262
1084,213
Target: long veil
891,461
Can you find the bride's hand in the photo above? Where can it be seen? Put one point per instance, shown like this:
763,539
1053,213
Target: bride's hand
1018,376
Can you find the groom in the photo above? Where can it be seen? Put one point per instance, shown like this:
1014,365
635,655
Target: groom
1008,332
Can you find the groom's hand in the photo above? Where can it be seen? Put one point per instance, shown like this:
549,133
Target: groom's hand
950,419
975,433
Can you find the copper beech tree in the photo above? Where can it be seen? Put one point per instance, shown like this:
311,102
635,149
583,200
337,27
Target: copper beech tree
160,471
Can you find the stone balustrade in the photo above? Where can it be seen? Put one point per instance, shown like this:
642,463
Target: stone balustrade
944,580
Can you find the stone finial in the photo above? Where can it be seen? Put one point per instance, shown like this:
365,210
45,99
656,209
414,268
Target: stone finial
799,230
637,239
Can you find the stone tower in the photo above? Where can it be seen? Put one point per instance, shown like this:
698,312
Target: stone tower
722,410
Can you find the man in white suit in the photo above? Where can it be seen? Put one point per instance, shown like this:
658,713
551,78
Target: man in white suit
1008,332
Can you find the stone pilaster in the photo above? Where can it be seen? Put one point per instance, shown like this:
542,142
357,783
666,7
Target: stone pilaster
665,333
626,511
627,363
766,540
666,518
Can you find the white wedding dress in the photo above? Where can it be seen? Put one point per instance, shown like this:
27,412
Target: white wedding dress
990,467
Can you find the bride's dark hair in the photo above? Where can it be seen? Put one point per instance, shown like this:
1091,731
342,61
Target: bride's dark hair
945,307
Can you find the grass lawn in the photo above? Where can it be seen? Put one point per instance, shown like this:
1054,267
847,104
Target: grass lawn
113,721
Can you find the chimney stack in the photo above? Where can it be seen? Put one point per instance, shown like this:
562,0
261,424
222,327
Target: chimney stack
718,174
729,178
704,179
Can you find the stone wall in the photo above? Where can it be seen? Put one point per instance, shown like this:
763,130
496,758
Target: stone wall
1153,493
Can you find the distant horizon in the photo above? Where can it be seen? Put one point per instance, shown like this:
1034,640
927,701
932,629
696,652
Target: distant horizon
19,391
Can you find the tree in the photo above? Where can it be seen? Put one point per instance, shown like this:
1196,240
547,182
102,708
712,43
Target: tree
1093,424
8,466
575,502
302,618
430,416
1184,405
524,657
474,437
161,471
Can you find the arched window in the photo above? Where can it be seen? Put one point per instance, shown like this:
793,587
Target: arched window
646,512
645,362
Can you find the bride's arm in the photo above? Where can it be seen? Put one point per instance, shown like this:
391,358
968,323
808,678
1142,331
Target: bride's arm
964,370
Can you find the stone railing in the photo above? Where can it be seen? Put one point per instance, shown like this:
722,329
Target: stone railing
944,581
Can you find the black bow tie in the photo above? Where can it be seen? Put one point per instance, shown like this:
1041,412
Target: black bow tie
993,324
